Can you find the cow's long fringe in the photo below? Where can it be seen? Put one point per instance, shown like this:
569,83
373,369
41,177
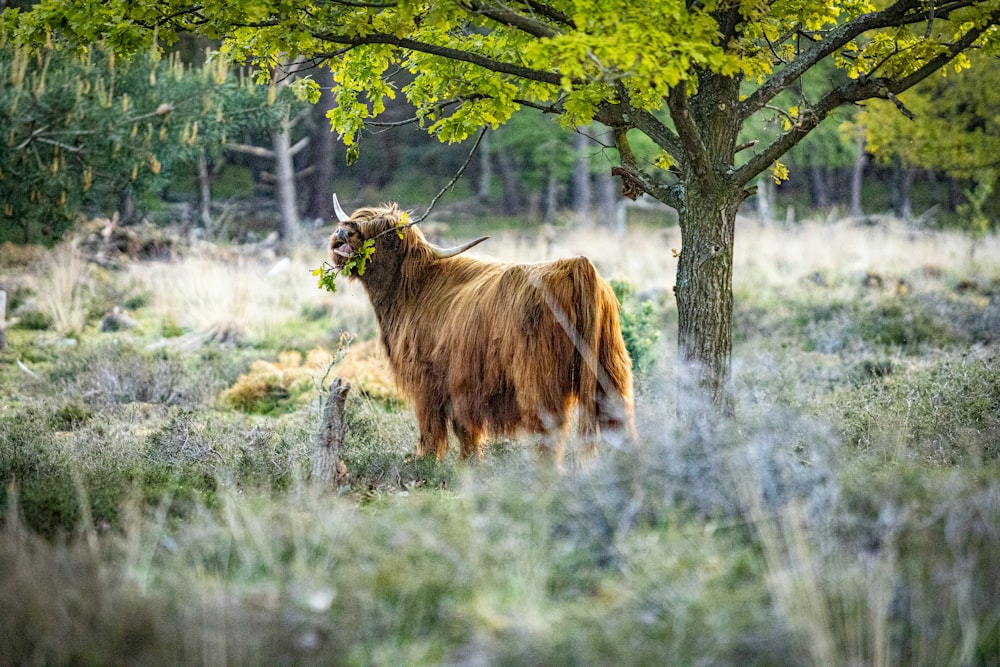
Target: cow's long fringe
495,348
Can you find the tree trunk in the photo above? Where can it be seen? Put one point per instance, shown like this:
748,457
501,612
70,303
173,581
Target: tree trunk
821,187
704,286
765,199
551,197
513,202
704,293
204,191
582,189
484,184
857,178
126,205
323,151
285,167
327,468
902,183
607,198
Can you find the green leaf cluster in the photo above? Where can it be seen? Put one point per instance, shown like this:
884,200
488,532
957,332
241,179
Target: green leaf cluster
356,266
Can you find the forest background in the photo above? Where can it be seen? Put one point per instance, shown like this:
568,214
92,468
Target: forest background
184,136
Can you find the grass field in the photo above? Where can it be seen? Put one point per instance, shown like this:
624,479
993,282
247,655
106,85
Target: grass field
157,508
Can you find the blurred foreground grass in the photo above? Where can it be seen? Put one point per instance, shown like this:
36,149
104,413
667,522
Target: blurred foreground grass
850,515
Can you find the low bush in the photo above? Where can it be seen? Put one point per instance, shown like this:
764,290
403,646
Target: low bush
942,411
640,327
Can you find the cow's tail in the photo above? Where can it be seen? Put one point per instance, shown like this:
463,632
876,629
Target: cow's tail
605,381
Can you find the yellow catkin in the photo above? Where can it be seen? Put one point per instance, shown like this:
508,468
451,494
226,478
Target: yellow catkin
220,70
88,178
125,103
163,133
135,171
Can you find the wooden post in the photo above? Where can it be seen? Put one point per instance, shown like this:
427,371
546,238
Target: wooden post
3,319
327,468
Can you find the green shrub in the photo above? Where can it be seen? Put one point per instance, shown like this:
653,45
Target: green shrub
905,323
34,320
70,416
945,411
639,327
52,492
117,373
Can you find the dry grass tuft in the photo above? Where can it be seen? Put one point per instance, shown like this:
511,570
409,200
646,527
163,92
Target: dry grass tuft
365,366
64,288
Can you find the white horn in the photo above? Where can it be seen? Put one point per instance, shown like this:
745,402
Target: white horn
341,216
457,250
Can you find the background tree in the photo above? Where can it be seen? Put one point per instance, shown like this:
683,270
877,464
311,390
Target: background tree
952,128
86,130
686,74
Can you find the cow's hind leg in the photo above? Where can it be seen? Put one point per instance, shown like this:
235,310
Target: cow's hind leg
433,431
470,438
552,446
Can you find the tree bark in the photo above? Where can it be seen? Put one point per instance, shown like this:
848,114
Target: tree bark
327,467
704,294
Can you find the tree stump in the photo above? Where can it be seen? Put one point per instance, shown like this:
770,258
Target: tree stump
327,468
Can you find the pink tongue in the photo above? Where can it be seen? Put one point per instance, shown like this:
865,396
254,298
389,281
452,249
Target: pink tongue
344,250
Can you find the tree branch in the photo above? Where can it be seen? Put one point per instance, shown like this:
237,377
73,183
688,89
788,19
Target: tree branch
903,12
549,12
695,152
444,52
622,114
508,17
853,92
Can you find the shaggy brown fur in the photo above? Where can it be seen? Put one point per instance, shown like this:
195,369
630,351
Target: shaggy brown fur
493,348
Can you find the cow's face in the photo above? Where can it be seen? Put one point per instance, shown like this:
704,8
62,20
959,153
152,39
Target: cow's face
345,242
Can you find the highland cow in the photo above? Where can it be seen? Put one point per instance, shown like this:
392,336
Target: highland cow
491,348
